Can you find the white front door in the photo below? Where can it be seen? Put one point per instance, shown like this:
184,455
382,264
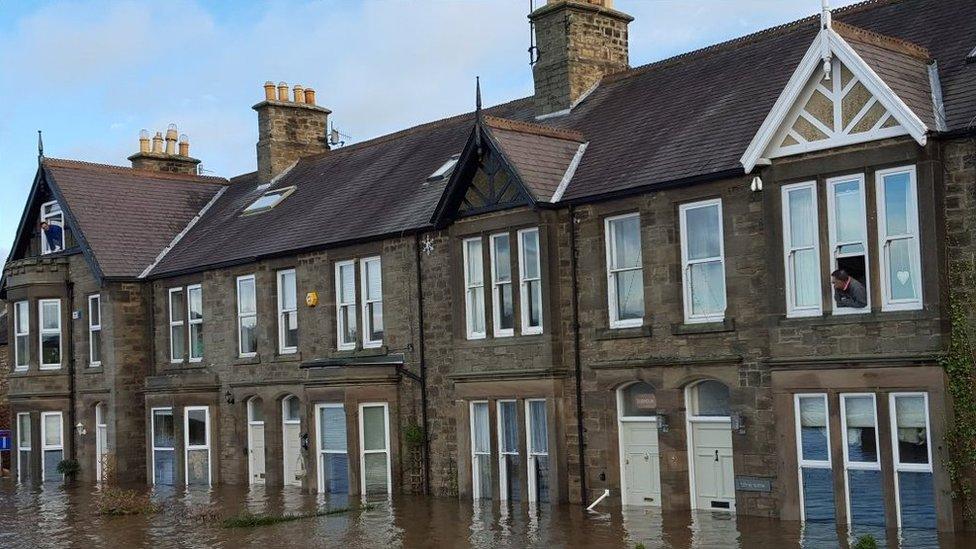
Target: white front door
714,475
641,463
292,453
255,450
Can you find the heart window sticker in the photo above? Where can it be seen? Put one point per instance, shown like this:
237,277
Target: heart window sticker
903,276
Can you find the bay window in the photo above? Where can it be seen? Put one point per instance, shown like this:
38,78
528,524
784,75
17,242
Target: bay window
21,335
502,300
194,315
847,224
530,281
247,316
703,261
801,248
474,289
287,312
177,341
372,299
94,330
625,273
50,336
345,283
898,241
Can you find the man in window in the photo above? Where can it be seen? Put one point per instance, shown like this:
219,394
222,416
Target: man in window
53,233
848,292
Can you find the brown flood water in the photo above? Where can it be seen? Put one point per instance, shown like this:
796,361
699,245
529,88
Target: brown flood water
54,516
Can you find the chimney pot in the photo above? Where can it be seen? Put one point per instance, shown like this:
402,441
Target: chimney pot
175,158
171,134
144,141
157,143
282,91
299,92
309,96
184,145
269,91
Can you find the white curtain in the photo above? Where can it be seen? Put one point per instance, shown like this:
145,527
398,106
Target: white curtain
860,412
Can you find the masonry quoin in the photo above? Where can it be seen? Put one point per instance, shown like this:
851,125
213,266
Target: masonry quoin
719,281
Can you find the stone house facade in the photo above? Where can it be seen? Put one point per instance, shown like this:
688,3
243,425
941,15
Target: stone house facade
615,286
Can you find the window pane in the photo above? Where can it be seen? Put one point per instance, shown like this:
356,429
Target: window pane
374,428
347,283
349,330
867,501
249,336
376,482
474,262
198,466
51,315
476,313
479,420
22,316
917,497
163,429
375,312
52,430
802,221
246,302
178,343
861,425
901,268
374,280
639,400
96,346
534,289
806,278
23,350
511,476
482,470
540,433
541,472
813,429
626,251
335,468
196,427
196,340
818,494
912,436
23,431
176,307
503,258
707,288
332,421
847,207
897,201
164,467
509,435
255,410
630,294
293,408
94,311
530,253
507,307
51,349
288,291
291,329
51,460
196,303
703,232
712,399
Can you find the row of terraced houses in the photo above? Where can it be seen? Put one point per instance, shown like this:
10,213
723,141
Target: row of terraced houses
626,281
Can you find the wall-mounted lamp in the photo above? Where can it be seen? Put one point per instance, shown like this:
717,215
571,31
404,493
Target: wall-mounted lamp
80,429
756,185
304,439
662,423
738,423
229,397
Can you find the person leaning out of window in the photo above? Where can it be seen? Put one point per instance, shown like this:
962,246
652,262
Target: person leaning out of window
54,235
848,291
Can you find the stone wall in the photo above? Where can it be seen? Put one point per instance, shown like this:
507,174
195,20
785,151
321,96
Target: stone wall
286,132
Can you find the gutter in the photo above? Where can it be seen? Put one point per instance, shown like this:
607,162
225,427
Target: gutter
577,361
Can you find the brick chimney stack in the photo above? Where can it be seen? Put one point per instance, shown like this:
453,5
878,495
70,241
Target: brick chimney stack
288,128
579,42
173,157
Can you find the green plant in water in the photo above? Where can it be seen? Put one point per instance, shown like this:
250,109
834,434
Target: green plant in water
119,501
68,467
866,541
413,435
639,546
246,519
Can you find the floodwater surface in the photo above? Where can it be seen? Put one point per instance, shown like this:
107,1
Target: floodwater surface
55,516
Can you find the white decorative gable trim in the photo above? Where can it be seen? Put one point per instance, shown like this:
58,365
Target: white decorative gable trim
777,138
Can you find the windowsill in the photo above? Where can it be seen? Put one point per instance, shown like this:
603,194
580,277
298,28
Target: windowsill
287,357
873,316
506,341
249,359
604,334
727,325
94,369
49,368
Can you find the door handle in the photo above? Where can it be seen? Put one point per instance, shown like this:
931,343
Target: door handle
647,457
716,455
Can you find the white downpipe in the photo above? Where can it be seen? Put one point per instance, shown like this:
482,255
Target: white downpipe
598,500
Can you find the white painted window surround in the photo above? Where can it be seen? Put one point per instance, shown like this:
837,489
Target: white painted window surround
801,250
625,271
703,261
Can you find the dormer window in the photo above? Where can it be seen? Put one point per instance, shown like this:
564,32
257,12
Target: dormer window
268,200
52,228
445,170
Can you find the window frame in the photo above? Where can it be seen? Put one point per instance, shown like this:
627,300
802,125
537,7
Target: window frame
524,281
92,328
18,367
496,287
44,216
45,447
49,331
809,463
152,438
469,286
365,302
363,451
858,465
884,240
503,487
834,244
190,322
341,343
21,449
897,465
320,440
686,288
282,311
283,192
530,455
608,234
792,310
187,447
241,315
476,488
174,324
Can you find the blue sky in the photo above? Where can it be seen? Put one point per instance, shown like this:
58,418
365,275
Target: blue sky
92,74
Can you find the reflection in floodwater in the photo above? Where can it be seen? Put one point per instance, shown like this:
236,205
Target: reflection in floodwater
52,516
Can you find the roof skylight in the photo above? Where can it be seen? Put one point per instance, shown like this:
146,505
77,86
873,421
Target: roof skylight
445,170
268,200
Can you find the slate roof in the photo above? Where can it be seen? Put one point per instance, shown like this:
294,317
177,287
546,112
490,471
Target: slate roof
671,122
128,216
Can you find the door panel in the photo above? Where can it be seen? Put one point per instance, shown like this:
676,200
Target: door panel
292,453
256,454
642,472
714,472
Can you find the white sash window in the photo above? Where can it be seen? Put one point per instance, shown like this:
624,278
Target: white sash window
474,289
901,273
703,261
801,249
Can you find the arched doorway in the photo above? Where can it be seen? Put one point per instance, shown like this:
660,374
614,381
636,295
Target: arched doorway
710,446
640,464
291,430
101,443
255,441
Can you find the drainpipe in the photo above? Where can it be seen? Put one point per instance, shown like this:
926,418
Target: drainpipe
152,327
423,364
72,401
576,355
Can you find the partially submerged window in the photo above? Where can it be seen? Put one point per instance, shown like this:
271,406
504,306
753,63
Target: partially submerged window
912,457
52,445
480,451
445,170
268,200
52,228
537,447
333,452
813,457
163,446
862,461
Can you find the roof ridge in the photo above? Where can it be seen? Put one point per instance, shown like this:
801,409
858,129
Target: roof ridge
741,40
72,163
890,43
535,129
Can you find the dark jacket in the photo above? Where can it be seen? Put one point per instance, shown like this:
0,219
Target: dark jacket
54,236
855,296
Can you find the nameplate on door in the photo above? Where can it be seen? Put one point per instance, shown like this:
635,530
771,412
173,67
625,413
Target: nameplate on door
753,484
